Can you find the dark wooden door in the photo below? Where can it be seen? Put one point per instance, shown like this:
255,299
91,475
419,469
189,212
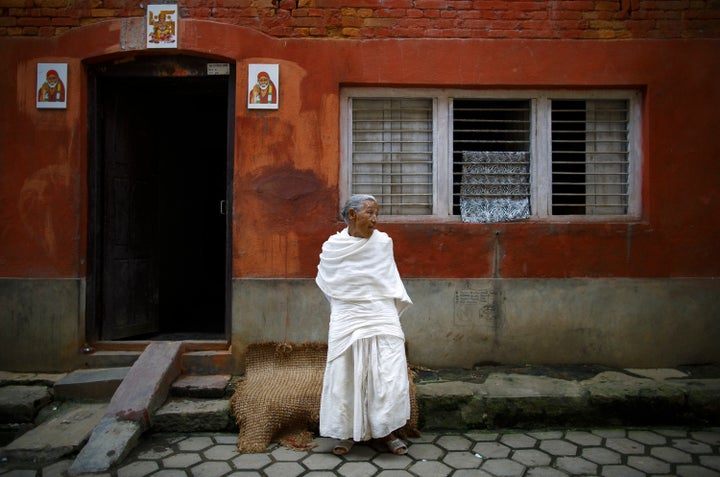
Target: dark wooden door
158,205
130,274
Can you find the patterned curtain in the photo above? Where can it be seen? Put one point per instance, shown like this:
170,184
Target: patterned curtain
495,186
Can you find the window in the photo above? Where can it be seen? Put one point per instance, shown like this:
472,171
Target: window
493,156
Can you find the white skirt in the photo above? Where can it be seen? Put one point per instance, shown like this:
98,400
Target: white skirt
366,392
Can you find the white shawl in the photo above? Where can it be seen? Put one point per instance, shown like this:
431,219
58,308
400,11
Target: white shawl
353,273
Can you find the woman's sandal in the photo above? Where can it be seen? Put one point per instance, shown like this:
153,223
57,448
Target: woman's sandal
342,447
397,446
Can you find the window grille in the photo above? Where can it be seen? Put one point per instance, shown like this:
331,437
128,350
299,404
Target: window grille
493,156
590,157
491,159
392,153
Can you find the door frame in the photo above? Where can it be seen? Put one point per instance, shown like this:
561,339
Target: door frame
145,66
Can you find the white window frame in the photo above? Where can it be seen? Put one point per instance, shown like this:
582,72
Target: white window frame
540,147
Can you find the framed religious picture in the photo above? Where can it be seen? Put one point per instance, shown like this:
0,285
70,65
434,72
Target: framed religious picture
263,86
162,26
51,86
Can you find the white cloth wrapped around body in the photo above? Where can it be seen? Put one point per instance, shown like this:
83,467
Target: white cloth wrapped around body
366,389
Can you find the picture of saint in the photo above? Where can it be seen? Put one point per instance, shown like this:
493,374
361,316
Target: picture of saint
51,86
263,88
53,89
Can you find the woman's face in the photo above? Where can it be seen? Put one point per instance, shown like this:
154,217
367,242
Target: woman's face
364,220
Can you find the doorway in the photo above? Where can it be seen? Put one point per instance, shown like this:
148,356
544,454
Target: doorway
161,152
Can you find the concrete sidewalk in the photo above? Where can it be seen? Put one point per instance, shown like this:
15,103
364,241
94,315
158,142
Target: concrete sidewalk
39,427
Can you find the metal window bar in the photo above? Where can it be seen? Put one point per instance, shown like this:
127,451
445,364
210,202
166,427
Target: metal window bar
392,144
491,159
590,158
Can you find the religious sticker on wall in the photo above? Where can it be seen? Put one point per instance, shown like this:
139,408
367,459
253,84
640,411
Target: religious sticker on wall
263,91
51,86
162,26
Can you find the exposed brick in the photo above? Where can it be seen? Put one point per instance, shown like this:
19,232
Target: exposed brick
592,19
15,3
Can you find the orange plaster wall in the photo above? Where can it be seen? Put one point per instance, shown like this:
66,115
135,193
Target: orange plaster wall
287,161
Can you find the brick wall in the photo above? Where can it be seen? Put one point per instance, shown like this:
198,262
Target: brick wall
539,19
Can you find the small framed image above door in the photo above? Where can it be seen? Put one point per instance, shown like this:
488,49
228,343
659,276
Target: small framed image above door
51,86
263,86
162,26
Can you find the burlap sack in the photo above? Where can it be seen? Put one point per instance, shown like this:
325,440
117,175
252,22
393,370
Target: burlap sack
278,400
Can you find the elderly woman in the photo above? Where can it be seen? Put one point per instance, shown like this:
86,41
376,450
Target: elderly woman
365,389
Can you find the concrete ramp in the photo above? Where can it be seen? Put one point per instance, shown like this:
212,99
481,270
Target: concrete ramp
144,390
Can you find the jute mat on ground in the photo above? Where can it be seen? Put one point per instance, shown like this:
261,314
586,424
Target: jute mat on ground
278,400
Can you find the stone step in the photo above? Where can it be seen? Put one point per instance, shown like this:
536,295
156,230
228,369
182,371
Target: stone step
90,384
198,358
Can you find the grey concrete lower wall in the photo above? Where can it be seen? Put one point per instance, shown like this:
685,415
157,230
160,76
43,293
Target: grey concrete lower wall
41,324
453,323
459,323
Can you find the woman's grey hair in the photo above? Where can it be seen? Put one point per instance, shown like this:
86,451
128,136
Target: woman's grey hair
355,202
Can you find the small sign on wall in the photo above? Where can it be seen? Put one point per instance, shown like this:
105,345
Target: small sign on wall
263,86
51,86
162,26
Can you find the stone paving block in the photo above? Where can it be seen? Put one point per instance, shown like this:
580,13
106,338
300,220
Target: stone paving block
532,457
545,472
195,443
210,469
322,461
576,466
470,473
648,464
558,447
491,450
386,460
284,469
136,469
671,455
454,443
694,471
647,437
424,451
503,467
356,469
462,460
602,456
625,446
691,446
220,452
711,461
583,438
251,461
518,441
621,471
430,469
182,461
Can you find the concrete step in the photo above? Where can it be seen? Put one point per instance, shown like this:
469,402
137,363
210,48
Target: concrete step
198,358
90,384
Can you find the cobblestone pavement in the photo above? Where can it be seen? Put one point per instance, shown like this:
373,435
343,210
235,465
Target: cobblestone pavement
596,452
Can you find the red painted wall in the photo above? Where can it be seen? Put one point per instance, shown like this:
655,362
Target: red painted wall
287,161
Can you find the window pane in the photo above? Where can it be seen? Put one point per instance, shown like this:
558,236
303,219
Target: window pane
392,146
491,159
590,169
